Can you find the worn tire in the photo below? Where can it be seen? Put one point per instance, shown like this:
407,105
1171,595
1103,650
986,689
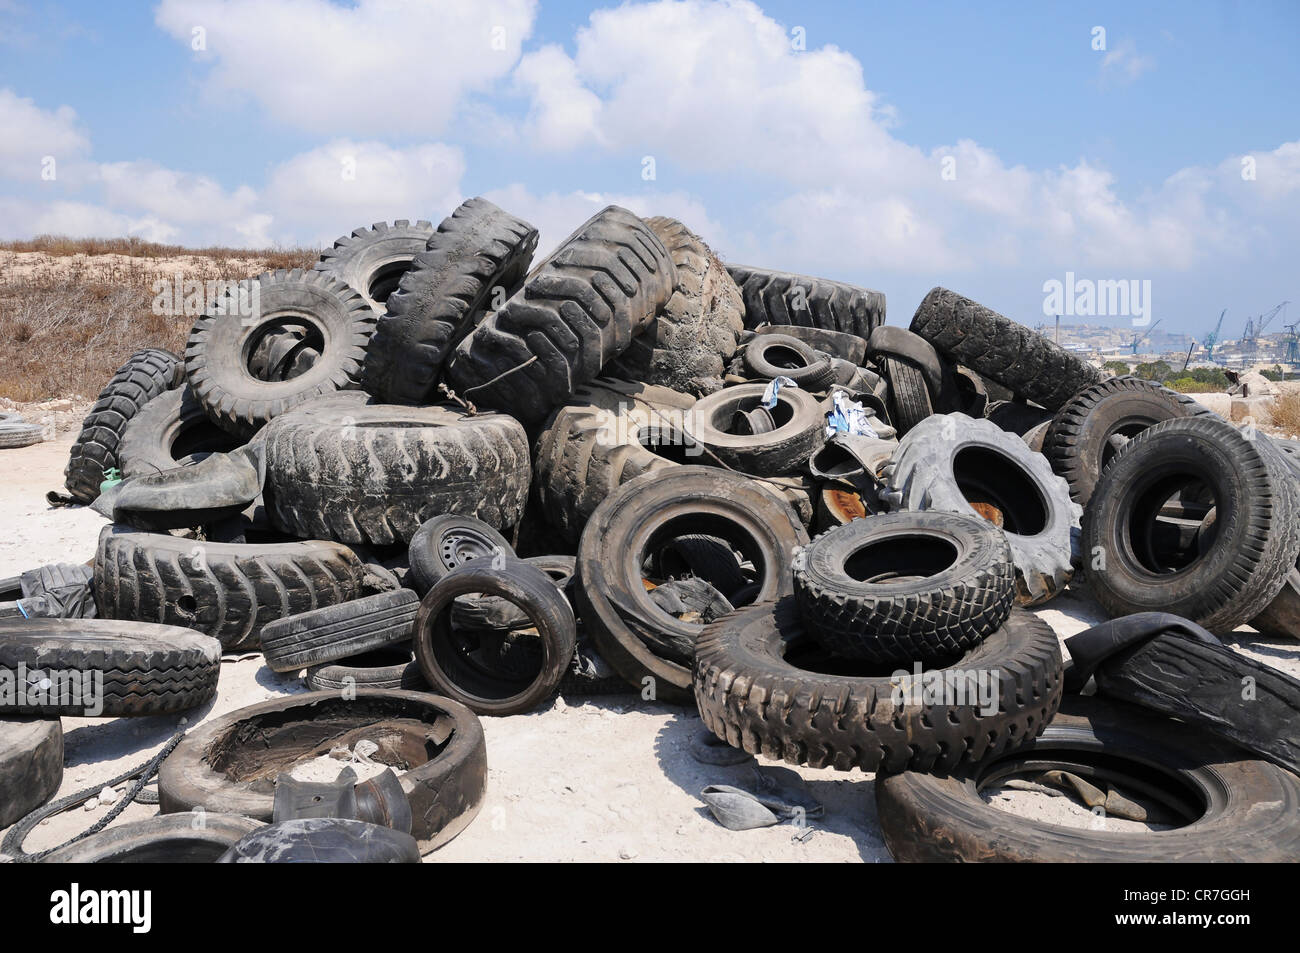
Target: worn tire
146,374
393,667
1086,433
578,310
333,633
446,543
752,697
172,430
998,348
373,473
800,432
637,638
371,261
442,296
147,669
339,325
226,590
957,586
445,792
169,839
323,840
768,356
15,436
1256,539
774,297
950,458
31,765
1251,804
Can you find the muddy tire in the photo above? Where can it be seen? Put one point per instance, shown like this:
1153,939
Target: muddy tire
800,429
147,669
373,473
31,765
371,261
578,310
1001,350
333,633
172,430
1248,816
778,297
1255,539
335,320
477,250
226,590
753,694
145,375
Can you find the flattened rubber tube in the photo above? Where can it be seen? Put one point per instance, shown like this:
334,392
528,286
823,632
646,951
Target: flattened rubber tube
169,839
332,633
227,765
753,695
1246,807
323,840
31,765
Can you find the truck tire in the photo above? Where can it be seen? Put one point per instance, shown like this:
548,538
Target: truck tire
170,431
800,429
371,261
333,633
778,297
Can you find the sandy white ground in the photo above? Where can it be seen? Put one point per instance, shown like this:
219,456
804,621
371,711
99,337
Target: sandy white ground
603,779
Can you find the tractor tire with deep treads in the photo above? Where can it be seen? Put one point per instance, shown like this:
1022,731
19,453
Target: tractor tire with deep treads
778,297
753,694
333,633
371,261
147,669
31,765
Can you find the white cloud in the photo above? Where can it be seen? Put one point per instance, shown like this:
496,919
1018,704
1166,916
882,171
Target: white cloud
1123,64
375,66
32,133
564,114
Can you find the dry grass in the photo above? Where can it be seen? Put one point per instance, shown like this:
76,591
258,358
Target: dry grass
72,310
1285,412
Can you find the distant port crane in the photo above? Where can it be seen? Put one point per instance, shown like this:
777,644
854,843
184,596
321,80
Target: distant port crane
1213,336
1255,327
1139,338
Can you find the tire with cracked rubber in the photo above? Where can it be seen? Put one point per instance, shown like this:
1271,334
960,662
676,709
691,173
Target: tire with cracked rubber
779,297
1245,561
442,295
334,633
147,669
371,261
955,464
905,587
172,430
763,685
1234,807
800,429
225,590
578,310
31,764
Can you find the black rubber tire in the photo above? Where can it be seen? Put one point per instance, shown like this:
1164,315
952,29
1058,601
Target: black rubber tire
170,431
769,356
949,459
169,839
909,397
579,309
31,765
594,444
705,557
445,654
446,543
323,840
445,791
216,363
751,696
373,473
957,586
926,380
837,344
393,667
1251,804
800,432
638,639
494,613
477,252
145,375
147,669
1256,539
16,436
688,343
333,633
371,261
1206,685
226,590
1084,434
998,348
773,297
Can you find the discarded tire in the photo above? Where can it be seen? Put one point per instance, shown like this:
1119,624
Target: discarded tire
16,435
223,765
492,672
1233,807
495,613
226,590
334,319
170,431
798,419
761,685
577,311
639,640
391,667
1096,423
323,840
769,356
952,463
905,587
373,473
146,374
170,839
145,669
1249,553
371,261
1015,356
333,633
477,252
778,297
31,764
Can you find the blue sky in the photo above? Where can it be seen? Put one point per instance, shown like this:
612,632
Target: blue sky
1117,163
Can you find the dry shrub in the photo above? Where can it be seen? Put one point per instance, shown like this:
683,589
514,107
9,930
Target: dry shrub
1285,412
